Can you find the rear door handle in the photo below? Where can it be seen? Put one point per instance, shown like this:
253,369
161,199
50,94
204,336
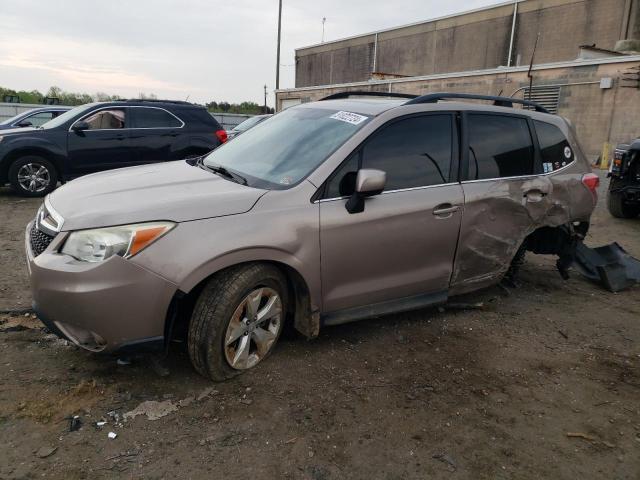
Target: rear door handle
445,210
534,195
170,134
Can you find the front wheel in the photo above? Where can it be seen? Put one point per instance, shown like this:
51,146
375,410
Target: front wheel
33,176
617,205
237,320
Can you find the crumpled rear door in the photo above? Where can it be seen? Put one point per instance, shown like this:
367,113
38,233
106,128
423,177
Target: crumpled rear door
500,213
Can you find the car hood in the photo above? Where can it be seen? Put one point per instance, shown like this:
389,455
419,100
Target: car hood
175,191
9,130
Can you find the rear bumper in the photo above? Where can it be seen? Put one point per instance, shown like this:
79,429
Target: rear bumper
102,307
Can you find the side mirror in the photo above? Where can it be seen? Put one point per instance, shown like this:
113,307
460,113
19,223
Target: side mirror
24,123
369,182
80,126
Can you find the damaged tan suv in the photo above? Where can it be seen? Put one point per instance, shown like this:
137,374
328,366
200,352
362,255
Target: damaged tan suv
329,212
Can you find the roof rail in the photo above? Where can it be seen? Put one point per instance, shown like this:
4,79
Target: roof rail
155,100
339,95
498,101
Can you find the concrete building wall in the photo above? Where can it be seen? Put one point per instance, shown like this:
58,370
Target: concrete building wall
599,115
471,41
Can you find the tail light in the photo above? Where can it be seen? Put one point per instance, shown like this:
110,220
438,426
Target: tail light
591,181
222,135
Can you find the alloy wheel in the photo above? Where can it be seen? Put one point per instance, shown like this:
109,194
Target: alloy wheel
253,329
34,177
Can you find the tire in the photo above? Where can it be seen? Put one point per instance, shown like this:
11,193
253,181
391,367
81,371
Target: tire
220,314
43,172
617,206
516,264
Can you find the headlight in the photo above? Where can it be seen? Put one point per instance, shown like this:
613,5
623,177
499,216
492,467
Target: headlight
99,244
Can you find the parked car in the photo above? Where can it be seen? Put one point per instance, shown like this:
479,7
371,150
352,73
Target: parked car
35,117
330,212
623,197
246,125
103,136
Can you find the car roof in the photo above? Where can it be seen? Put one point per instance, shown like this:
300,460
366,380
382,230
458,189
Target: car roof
154,103
378,105
48,108
365,106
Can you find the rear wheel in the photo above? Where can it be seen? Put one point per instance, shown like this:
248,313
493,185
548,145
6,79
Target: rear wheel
237,320
33,176
616,202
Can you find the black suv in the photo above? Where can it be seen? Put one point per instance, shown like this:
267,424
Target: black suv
624,186
102,136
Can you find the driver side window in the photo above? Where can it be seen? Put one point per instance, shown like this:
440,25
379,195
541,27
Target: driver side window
414,152
106,120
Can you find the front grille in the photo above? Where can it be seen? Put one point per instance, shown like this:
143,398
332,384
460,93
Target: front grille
39,240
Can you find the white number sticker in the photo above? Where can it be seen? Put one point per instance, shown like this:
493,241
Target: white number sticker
352,118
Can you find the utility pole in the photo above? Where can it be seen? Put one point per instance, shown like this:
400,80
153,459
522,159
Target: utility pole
324,19
278,54
265,99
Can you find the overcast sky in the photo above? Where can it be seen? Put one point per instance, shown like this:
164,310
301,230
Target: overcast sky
204,49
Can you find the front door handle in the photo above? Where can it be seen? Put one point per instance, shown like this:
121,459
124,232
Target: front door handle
445,210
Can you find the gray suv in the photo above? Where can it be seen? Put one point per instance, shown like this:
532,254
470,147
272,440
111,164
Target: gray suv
332,211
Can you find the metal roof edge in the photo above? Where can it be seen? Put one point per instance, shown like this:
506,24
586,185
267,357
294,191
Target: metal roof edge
472,73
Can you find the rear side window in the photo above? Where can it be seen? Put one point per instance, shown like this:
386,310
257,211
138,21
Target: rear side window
554,147
414,152
499,146
198,118
155,118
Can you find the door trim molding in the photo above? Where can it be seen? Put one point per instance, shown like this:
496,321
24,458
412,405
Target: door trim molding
385,192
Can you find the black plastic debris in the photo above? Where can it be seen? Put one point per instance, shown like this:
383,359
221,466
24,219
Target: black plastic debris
610,266
75,423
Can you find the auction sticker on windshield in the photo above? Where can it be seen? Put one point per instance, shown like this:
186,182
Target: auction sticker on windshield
352,118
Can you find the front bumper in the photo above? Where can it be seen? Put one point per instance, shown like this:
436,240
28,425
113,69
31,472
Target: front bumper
102,306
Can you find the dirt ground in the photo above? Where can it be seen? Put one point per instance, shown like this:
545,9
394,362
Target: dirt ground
544,382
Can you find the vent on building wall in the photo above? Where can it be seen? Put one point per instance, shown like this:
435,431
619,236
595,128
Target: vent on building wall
548,97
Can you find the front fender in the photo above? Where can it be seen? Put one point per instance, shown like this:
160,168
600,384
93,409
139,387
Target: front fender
287,235
11,147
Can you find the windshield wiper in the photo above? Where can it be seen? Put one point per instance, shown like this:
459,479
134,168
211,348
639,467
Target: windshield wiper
223,172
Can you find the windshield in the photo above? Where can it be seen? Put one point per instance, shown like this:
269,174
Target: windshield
66,116
248,123
281,152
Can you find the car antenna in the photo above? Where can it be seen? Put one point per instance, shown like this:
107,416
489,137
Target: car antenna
535,46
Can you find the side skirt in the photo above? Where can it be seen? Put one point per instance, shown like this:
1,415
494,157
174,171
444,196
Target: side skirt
405,304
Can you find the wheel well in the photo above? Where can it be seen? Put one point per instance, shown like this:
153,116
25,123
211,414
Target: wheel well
21,152
561,241
299,308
